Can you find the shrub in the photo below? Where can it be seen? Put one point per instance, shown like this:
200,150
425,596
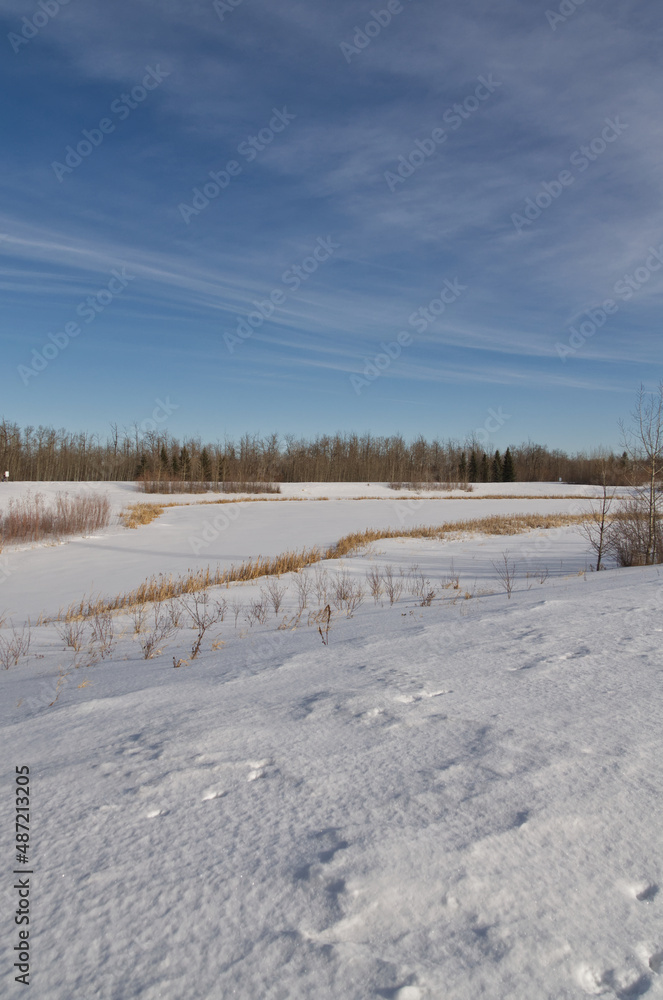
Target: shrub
181,486
629,537
29,519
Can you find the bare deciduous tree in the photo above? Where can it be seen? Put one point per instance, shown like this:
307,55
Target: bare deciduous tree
599,529
643,443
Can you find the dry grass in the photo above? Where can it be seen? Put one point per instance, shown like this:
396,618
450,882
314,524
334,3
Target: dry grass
162,588
496,524
140,513
29,519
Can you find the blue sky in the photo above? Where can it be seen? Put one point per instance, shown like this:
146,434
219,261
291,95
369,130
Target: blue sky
529,193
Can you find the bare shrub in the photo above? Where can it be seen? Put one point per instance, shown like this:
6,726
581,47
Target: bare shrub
453,580
102,638
180,486
163,627
631,540
29,519
203,616
138,616
72,633
341,589
12,649
347,594
374,580
420,585
274,593
421,487
321,584
236,607
393,586
249,487
506,573
355,600
257,610
304,586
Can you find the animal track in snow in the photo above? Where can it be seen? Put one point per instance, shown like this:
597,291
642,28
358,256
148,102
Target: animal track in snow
645,892
409,699
328,844
656,961
154,812
213,793
258,768
623,986
401,993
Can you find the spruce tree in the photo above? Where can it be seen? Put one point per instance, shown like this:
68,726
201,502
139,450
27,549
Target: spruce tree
508,471
462,468
485,471
205,466
473,470
497,467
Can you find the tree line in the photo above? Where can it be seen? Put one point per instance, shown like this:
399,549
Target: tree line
47,454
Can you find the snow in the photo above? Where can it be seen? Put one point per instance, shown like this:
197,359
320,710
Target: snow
461,800
199,534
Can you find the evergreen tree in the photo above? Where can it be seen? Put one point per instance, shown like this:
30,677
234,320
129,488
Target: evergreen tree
462,468
473,470
205,466
508,471
163,457
485,471
141,468
185,462
497,468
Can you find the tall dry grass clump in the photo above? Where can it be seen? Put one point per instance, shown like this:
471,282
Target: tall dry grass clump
140,513
31,519
496,524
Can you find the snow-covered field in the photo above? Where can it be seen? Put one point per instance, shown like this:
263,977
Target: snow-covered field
453,800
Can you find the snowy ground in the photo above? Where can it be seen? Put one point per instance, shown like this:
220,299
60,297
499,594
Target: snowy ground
43,578
456,801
